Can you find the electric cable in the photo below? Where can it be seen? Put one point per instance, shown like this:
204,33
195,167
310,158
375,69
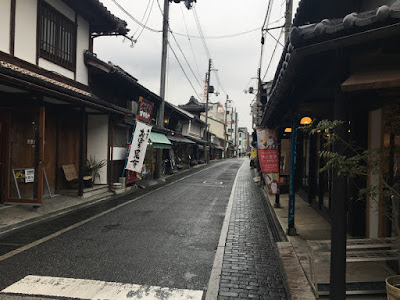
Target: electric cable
144,15
196,17
273,54
183,70
187,62
184,56
190,43
133,18
147,20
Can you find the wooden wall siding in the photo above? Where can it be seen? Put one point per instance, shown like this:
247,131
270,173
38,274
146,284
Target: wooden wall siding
50,152
68,145
22,150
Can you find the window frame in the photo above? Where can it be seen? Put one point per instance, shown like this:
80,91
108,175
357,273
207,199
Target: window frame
61,53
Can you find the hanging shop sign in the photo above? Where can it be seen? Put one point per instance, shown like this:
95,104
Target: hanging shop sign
145,109
268,157
138,147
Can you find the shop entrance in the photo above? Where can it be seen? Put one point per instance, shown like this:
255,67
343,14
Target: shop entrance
22,148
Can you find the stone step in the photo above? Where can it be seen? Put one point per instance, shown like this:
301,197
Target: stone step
95,191
87,192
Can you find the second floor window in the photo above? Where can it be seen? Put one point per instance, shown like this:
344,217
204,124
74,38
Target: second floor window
57,36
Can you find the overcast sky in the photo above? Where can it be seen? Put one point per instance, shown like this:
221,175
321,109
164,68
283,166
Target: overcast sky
235,54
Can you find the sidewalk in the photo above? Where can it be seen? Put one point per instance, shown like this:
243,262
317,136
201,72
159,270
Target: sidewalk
310,225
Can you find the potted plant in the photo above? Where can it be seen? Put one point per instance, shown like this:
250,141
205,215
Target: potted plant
94,166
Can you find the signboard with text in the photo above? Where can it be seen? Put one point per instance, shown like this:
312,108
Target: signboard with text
145,109
138,147
268,157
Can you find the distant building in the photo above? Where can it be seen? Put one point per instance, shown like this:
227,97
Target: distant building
243,141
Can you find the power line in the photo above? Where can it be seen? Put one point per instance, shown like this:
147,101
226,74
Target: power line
190,43
196,17
273,54
220,36
183,70
263,31
134,19
144,15
148,17
184,56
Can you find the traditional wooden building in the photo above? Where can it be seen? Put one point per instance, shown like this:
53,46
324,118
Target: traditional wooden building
49,116
341,62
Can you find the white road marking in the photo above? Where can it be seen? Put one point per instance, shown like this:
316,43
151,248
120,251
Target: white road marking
96,290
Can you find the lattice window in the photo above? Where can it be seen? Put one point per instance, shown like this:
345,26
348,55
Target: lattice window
57,36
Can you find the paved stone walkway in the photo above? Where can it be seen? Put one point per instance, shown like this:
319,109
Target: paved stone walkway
251,267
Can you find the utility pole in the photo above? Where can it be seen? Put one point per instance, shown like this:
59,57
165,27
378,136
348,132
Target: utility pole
288,18
236,124
207,98
160,119
225,127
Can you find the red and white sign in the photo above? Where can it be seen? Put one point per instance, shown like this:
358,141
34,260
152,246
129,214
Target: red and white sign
145,110
268,157
269,160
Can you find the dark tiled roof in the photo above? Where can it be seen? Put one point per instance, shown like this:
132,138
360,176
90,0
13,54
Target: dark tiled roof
117,71
326,30
102,21
352,23
62,89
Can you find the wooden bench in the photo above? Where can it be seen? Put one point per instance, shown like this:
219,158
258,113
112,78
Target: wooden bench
72,176
357,250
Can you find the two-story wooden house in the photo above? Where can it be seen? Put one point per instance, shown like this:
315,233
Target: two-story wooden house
49,117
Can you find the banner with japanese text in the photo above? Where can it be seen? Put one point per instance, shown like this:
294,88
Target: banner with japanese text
268,157
138,147
145,109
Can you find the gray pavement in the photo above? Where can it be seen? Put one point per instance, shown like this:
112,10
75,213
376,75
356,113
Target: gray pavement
251,267
248,263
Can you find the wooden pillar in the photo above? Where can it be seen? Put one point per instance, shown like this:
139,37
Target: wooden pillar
321,181
312,169
81,141
291,230
339,212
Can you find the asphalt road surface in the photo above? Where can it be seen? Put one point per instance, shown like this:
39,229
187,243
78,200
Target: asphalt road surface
164,243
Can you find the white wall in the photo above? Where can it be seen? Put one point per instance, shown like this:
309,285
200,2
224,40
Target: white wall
25,30
25,36
48,65
97,141
375,141
195,130
82,45
186,128
5,25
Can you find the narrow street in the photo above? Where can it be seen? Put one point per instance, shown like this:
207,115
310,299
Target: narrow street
161,245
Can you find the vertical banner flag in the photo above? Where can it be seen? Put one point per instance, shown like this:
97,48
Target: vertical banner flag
268,157
138,147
